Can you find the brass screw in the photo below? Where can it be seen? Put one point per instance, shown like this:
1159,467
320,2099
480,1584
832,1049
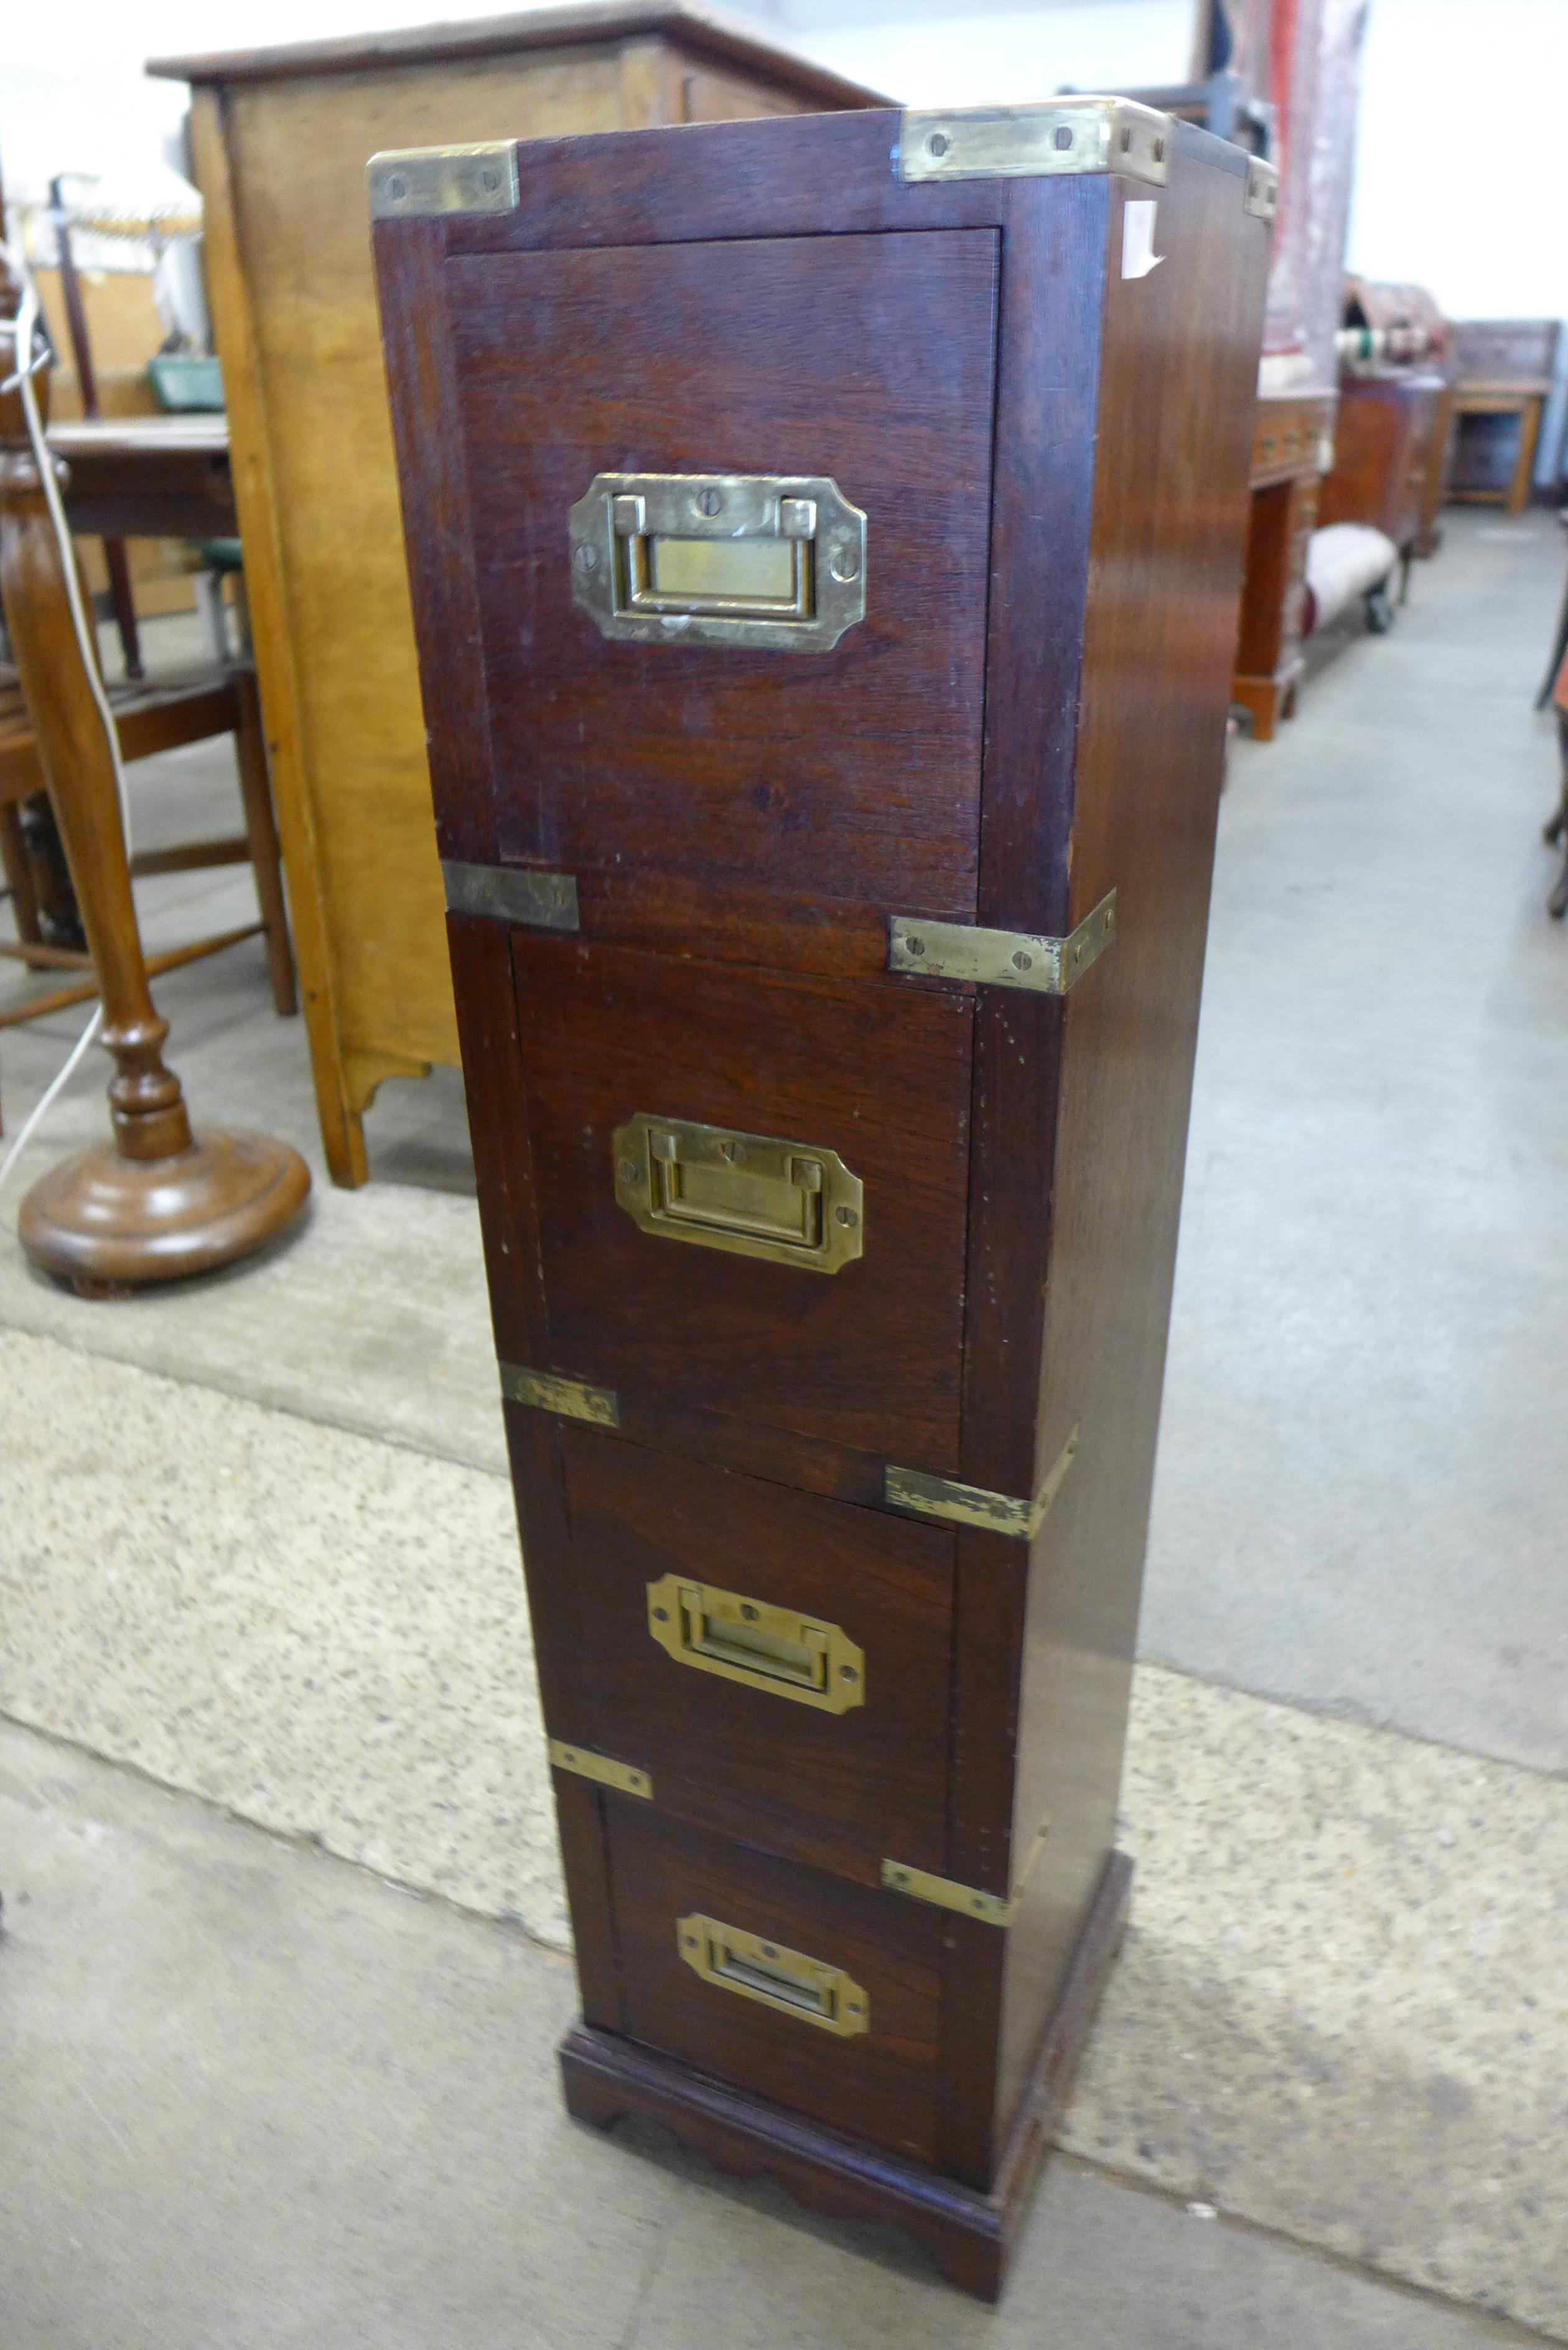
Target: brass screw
846,1673
846,1215
748,1611
488,181
1063,137
587,558
769,1951
708,501
397,188
661,1615
629,1171
915,946
845,564
1021,961
937,143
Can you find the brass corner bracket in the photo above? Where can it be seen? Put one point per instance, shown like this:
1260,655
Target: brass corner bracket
624,1777
568,1398
421,182
968,1900
1067,136
511,893
1048,966
973,1505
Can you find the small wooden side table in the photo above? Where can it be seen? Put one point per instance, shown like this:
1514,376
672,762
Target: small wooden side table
1524,401
1293,439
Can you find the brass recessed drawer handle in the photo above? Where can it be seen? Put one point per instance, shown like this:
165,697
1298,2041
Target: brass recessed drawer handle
786,1980
788,1202
771,1648
763,562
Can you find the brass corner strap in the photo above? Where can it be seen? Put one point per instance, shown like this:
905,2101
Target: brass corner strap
511,893
971,1505
1000,958
606,1772
1064,136
420,183
568,1398
969,1900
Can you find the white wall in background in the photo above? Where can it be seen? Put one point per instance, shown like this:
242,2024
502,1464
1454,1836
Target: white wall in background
73,95
1458,178
980,55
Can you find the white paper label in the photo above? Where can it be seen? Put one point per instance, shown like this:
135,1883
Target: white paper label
1138,255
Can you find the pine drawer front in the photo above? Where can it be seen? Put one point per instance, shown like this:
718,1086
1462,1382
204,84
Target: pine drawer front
881,2082
817,1721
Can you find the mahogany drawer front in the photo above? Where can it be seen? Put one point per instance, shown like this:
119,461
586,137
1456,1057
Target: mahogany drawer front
881,2083
747,1750
877,1071
851,774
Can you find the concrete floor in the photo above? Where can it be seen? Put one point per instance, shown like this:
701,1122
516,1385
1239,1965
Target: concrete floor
1341,2012
256,2098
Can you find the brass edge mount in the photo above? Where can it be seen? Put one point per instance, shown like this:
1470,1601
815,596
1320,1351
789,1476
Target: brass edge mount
511,893
569,1398
1071,136
1261,195
971,1505
946,1893
600,1768
423,182
1000,958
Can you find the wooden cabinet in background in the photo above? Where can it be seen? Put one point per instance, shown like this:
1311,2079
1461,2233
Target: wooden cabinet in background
281,139
1387,453
1503,370
1292,448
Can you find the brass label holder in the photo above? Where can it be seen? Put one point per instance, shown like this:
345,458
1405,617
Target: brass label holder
1048,966
788,1202
767,1649
787,1980
973,1505
765,562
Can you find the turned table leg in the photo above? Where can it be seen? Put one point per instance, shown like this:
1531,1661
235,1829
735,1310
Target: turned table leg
156,1201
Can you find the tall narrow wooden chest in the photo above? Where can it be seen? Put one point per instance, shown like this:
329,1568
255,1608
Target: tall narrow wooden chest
825,539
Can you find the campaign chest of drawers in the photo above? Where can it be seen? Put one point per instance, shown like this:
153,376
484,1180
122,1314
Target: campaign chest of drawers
824,538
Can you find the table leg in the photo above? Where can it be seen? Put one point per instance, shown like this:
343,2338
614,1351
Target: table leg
155,1202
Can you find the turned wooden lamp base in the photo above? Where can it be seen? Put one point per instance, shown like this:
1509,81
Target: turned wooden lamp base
107,1223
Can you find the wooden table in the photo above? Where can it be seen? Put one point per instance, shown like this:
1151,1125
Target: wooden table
1293,448
281,138
148,476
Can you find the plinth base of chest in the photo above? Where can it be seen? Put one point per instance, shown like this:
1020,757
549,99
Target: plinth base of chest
970,2236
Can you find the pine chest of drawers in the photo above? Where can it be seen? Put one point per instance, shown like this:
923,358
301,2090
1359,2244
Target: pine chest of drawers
825,539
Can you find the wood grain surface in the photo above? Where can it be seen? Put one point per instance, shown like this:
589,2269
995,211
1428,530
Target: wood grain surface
843,1791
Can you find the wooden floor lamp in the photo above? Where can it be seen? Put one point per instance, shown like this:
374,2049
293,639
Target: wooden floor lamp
157,1201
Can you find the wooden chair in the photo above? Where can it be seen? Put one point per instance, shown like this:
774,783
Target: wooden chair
152,717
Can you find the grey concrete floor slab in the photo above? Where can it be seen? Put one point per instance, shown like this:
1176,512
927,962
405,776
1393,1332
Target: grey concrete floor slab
1359,1499
1341,2010
255,2097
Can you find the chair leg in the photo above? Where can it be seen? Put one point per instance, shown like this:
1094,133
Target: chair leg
255,790
17,867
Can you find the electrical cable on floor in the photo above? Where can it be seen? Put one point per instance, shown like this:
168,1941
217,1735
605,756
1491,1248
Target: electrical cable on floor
28,365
